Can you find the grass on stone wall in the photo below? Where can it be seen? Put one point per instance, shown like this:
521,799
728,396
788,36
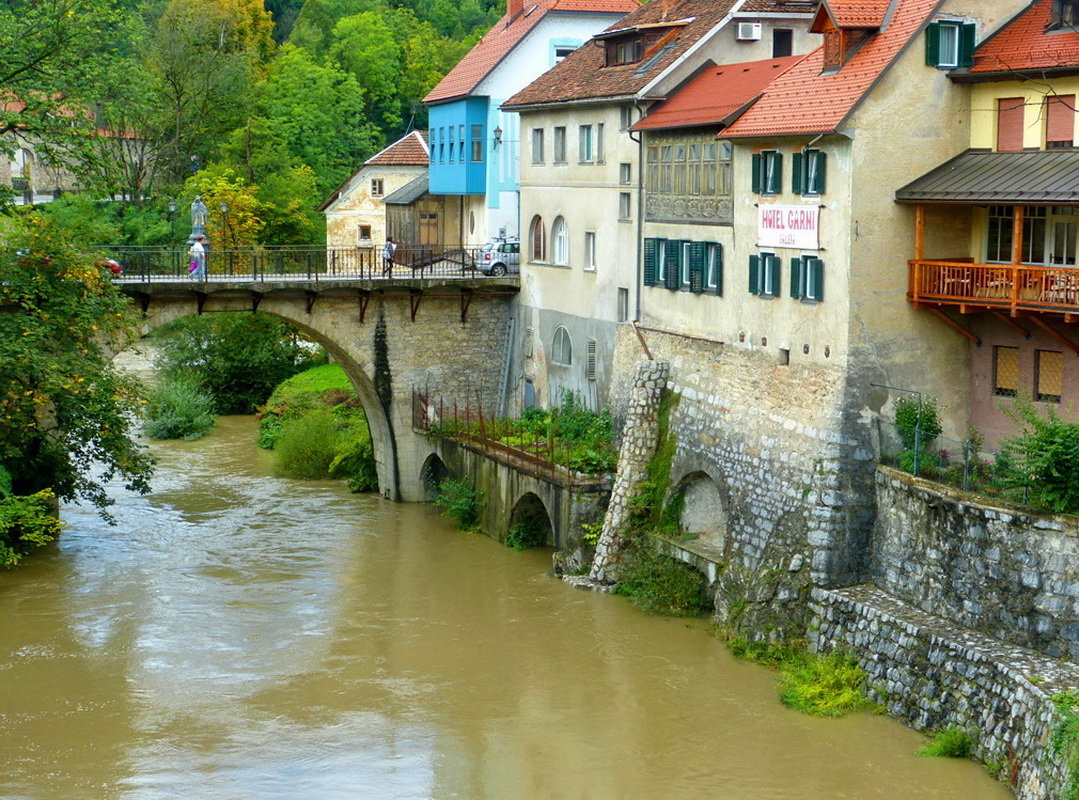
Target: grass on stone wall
1065,739
951,742
829,685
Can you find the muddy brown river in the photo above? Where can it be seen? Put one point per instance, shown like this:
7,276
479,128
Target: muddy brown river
238,636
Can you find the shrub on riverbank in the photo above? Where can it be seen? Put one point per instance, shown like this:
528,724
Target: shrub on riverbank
950,742
178,409
323,386
26,522
461,502
829,685
306,448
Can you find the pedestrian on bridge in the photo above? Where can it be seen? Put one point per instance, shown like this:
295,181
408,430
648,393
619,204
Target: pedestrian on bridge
197,251
387,256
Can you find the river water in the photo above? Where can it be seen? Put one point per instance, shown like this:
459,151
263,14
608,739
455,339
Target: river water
238,636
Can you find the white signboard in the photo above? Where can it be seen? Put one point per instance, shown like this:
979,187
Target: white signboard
794,227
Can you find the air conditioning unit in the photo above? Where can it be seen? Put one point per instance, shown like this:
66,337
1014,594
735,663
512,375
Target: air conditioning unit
749,31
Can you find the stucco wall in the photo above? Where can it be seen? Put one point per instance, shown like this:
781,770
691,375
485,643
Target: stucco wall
356,206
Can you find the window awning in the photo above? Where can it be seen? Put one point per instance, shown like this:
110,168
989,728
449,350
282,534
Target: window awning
979,177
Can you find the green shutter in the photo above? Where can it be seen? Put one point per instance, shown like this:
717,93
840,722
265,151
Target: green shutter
673,262
758,165
649,262
816,267
776,185
796,278
822,161
719,269
774,266
932,44
696,267
966,44
754,274
796,174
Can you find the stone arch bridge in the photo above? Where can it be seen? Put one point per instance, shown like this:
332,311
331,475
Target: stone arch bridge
390,335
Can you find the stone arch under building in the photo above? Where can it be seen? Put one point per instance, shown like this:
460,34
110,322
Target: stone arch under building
704,507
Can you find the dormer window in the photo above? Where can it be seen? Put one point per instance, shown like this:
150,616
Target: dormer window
949,44
1065,14
624,51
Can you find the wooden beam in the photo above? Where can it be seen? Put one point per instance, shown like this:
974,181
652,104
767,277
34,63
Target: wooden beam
919,232
951,323
466,301
1011,323
1060,337
1017,235
365,298
414,300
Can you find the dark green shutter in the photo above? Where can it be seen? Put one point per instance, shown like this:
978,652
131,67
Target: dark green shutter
822,161
816,267
673,263
966,44
649,262
696,267
758,165
932,44
796,173
774,266
796,278
776,185
754,274
719,269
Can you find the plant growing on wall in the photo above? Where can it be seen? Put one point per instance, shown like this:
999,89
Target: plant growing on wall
1065,739
461,502
1044,457
917,422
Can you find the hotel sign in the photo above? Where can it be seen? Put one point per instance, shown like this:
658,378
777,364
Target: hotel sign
794,227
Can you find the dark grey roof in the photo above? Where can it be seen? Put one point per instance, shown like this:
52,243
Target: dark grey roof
980,177
409,193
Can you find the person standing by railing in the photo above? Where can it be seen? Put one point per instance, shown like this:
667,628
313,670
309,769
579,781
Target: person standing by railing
197,251
387,256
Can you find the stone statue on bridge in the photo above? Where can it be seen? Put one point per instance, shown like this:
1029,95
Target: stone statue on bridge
198,220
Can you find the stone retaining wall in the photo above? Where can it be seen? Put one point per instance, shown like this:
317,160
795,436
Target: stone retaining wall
1000,570
932,673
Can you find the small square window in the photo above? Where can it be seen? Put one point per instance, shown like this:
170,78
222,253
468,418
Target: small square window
1006,371
625,174
768,172
365,233
625,118
376,187
1048,375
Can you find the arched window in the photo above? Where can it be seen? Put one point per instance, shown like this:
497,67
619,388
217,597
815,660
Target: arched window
538,237
562,352
560,241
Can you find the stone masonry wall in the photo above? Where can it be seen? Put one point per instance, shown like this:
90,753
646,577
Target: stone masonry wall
996,569
931,673
793,512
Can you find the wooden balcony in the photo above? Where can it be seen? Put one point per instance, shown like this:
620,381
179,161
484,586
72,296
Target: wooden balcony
1017,290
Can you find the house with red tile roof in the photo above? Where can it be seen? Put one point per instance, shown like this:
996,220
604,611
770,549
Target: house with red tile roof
996,236
474,146
582,163
357,211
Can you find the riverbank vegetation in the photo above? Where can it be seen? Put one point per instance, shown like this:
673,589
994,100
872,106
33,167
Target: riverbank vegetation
178,408
1065,739
317,428
950,742
461,501
26,522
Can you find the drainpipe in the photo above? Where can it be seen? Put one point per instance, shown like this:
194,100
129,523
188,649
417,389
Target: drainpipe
638,273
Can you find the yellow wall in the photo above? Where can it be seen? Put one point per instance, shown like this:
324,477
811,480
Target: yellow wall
983,108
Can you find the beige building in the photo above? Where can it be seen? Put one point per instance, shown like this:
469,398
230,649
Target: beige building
581,171
356,210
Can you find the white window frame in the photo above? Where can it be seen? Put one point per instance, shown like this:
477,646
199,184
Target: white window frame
590,251
711,265
625,173
585,145
562,347
560,242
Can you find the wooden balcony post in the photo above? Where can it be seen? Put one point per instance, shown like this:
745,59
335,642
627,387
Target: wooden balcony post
1017,236
919,232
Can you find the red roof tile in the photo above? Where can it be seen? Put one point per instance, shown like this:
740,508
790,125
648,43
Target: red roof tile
409,151
504,36
1025,44
715,94
583,74
803,101
857,13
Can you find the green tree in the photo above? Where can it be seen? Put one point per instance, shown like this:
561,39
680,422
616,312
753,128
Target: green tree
65,412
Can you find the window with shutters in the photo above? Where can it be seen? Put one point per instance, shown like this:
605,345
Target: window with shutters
1010,124
672,264
1006,371
950,44
713,268
764,275
807,279
1059,121
1065,15
590,360
562,349
684,265
1048,376
768,172
808,172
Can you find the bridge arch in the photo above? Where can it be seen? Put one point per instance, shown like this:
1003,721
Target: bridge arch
530,510
432,473
704,507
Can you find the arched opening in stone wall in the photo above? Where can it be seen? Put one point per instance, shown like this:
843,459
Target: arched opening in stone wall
432,473
704,510
160,314
530,524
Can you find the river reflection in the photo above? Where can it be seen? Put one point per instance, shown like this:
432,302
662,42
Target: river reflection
240,636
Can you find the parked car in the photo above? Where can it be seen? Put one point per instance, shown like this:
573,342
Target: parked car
499,257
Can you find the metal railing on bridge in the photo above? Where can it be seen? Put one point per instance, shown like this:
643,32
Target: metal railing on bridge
150,264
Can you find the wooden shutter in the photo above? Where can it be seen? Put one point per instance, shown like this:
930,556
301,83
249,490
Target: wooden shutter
1010,124
758,165
813,287
776,184
967,32
773,265
1060,120
673,261
649,262
696,267
754,274
932,44
822,170
719,269
797,182
590,360
796,278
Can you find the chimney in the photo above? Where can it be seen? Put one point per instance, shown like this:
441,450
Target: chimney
514,8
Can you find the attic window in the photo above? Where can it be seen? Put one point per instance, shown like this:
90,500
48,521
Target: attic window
1065,14
624,51
834,47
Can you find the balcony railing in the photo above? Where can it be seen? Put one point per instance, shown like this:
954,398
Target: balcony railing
1014,288
300,263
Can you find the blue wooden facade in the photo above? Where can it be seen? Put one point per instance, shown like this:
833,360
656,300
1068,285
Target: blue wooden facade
460,146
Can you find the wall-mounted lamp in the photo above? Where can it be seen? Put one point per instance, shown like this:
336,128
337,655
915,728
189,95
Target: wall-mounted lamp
498,136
